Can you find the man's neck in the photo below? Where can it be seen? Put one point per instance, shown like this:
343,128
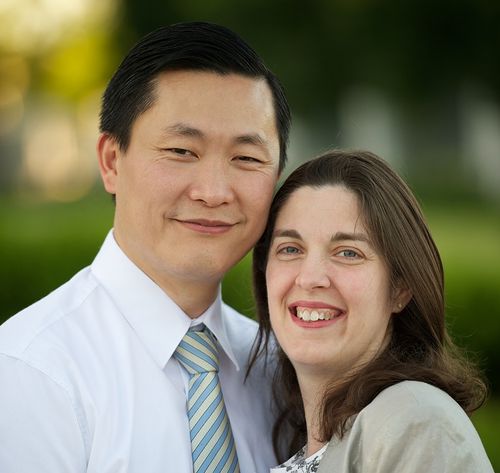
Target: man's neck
192,297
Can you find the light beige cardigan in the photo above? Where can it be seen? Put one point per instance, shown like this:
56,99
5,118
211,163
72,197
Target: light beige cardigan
411,427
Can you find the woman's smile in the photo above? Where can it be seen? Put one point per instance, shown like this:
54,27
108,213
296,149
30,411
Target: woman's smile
329,290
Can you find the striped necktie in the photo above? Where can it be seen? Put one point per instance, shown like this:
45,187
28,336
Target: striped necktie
212,442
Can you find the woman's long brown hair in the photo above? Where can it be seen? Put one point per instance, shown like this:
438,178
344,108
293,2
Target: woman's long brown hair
420,348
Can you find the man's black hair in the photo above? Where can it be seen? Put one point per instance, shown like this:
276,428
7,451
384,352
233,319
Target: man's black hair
196,46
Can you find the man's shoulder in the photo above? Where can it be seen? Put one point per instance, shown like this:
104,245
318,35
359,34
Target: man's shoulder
241,331
36,321
239,325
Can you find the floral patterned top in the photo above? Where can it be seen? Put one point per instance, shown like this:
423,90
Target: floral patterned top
299,464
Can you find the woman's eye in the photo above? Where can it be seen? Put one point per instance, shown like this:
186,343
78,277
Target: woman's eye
348,254
288,250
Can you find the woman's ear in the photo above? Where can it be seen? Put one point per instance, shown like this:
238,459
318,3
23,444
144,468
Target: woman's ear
401,296
108,151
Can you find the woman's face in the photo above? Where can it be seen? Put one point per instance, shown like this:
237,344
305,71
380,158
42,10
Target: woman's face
328,289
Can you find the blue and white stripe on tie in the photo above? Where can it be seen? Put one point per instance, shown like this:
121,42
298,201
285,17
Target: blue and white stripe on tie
212,442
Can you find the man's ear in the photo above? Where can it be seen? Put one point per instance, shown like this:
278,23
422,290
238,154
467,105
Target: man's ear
108,152
401,296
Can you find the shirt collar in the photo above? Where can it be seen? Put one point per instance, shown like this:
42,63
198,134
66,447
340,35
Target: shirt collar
156,319
214,320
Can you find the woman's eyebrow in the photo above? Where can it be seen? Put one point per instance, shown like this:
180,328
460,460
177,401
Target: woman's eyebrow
286,233
342,236
339,236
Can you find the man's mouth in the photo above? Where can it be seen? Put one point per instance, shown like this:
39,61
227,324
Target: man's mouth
207,223
212,227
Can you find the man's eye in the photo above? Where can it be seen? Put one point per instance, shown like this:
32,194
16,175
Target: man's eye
248,159
180,151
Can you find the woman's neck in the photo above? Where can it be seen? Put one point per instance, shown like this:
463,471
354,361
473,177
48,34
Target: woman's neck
312,389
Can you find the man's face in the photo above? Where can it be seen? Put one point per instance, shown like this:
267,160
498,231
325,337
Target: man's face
194,187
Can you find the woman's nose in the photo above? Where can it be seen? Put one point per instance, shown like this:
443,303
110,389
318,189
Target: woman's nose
313,274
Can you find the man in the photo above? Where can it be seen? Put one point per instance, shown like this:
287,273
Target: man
93,377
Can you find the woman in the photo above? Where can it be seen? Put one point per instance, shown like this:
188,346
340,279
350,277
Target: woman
349,281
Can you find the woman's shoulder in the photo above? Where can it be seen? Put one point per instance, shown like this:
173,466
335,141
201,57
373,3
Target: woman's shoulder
411,395
414,401
418,411
411,426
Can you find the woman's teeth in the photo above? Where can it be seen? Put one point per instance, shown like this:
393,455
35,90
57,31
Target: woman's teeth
312,315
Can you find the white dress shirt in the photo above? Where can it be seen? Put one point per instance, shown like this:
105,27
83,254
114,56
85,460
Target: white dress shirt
88,382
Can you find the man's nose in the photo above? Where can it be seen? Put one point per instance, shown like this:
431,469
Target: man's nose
213,185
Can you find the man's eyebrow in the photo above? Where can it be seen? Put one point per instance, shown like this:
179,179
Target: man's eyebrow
251,139
286,233
186,130
183,130
342,236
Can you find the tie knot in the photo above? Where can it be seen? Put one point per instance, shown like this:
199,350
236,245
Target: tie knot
197,352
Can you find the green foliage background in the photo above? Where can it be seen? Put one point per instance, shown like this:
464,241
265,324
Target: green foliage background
420,55
43,245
